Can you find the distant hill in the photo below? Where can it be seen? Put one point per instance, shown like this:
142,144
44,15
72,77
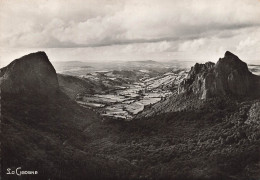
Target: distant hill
72,85
69,62
254,69
145,62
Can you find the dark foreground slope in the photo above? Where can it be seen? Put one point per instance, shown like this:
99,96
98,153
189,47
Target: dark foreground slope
219,139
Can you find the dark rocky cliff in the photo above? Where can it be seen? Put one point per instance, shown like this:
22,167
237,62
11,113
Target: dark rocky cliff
32,73
229,76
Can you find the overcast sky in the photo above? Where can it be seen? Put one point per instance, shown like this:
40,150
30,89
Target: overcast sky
105,30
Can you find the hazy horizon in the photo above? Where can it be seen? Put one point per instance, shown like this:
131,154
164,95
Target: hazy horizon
104,31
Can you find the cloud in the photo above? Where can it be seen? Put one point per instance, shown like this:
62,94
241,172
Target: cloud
247,43
191,45
131,28
98,23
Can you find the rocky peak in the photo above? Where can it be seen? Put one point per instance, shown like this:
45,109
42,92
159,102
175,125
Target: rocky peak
229,75
200,68
32,73
231,62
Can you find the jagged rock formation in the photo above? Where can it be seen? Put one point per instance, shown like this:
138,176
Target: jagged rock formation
32,73
229,75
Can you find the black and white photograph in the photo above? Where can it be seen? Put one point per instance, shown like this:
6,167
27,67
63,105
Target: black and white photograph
130,89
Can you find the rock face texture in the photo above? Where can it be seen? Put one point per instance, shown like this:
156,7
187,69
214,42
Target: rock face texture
32,73
229,75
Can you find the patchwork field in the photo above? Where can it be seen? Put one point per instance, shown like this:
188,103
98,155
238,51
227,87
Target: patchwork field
130,92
